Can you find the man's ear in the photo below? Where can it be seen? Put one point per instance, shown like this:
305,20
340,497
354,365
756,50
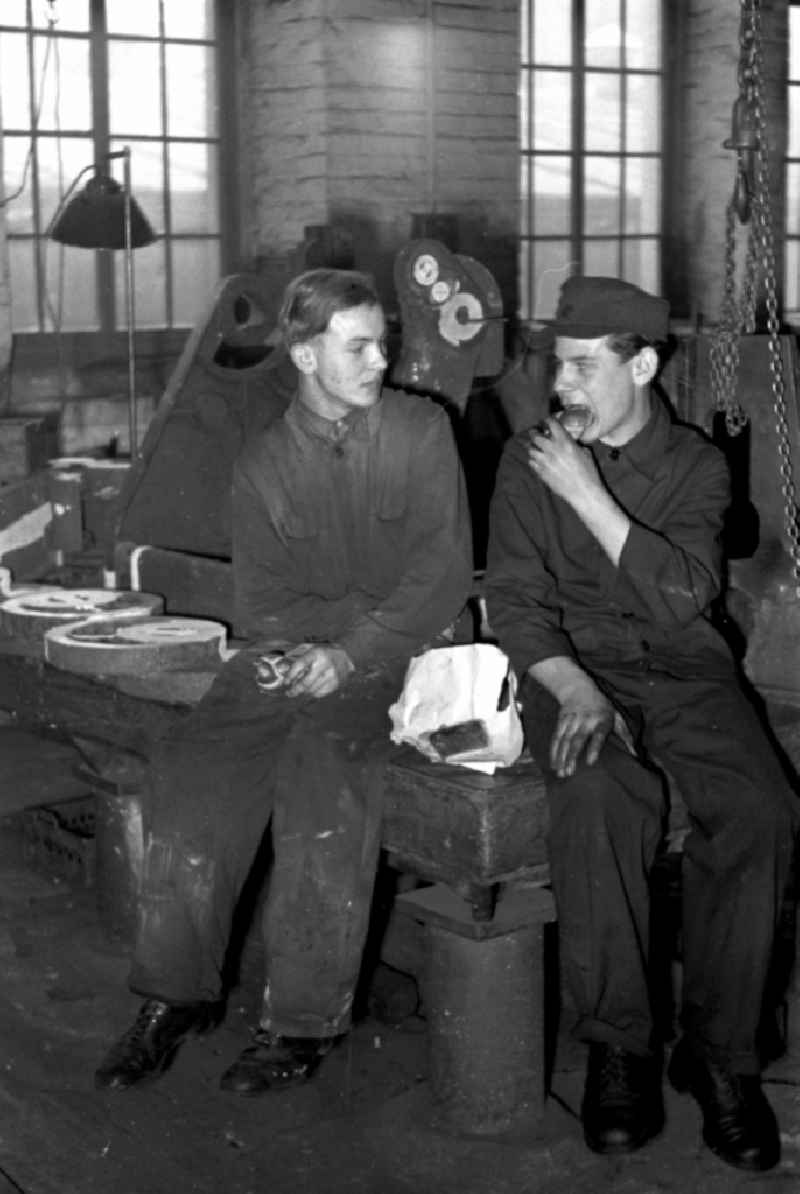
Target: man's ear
645,365
304,357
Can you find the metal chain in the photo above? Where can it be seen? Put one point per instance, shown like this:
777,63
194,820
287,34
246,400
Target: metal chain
738,318
764,224
724,351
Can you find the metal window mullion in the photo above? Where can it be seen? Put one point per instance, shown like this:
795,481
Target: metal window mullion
623,147
671,87
792,85
98,58
169,283
622,204
226,29
531,156
578,172
39,243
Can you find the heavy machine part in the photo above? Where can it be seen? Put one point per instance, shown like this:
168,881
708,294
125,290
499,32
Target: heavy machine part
27,617
105,647
230,380
452,317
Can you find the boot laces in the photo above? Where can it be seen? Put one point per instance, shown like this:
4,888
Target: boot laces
135,1047
138,1032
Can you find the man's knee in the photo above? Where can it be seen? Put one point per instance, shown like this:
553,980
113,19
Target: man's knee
778,825
752,824
605,800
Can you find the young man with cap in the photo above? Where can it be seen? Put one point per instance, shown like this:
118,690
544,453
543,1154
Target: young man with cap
604,561
351,553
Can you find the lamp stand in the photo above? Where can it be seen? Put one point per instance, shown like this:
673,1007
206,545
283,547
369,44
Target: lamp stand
133,427
104,215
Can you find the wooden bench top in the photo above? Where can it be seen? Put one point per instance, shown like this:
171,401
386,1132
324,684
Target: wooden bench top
442,822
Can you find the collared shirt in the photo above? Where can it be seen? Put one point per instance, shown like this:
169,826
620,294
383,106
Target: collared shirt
355,532
551,589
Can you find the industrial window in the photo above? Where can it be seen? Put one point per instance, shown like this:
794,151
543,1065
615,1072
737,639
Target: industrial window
591,110
791,262
80,79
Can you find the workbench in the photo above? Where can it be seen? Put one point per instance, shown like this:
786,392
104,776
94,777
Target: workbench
447,824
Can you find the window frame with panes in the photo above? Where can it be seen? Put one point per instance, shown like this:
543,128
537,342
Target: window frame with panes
596,80
97,75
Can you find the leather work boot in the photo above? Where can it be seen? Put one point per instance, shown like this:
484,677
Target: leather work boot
149,1045
275,1062
739,1125
622,1104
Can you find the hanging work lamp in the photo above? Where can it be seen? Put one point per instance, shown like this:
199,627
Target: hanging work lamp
104,215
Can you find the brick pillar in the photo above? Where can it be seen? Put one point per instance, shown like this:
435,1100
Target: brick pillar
284,120
363,112
476,147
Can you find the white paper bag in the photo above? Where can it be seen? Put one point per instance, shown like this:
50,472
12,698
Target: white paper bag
458,705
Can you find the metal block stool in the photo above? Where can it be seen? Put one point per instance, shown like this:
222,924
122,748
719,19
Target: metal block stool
119,843
483,993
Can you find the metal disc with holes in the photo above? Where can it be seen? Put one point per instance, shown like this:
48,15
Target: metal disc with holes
461,318
107,647
425,269
27,617
9,589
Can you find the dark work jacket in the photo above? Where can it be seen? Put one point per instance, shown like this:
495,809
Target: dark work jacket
355,532
551,589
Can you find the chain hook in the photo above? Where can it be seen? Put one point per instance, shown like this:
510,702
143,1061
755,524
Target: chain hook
744,139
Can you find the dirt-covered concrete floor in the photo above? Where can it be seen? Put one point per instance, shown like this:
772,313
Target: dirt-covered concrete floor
362,1126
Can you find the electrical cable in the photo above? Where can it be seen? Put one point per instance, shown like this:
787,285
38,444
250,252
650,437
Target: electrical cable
56,314
52,21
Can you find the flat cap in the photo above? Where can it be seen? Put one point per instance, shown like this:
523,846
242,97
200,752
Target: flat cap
591,307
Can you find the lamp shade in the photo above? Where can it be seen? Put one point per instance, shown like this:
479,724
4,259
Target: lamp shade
95,218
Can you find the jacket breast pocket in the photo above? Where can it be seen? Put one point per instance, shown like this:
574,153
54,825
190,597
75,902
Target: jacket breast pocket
297,526
391,503
312,561
387,532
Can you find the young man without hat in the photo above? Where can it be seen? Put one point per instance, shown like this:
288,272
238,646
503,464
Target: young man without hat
351,553
604,561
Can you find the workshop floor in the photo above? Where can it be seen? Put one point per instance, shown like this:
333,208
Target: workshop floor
363,1126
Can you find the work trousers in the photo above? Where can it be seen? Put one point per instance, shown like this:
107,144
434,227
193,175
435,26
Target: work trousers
315,768
607,823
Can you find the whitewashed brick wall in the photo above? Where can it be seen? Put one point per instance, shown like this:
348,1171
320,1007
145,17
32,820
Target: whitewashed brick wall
284,123
365,111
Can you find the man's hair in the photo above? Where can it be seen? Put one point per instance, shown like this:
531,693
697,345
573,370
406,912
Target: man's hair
627,345
313,298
